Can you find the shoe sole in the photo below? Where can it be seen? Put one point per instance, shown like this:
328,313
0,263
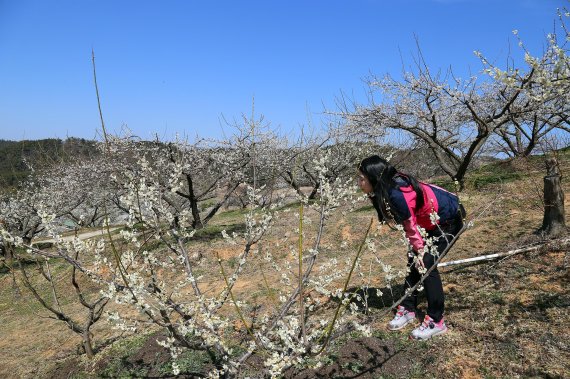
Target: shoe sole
433,335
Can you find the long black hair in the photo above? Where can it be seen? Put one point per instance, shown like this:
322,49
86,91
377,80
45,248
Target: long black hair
382,176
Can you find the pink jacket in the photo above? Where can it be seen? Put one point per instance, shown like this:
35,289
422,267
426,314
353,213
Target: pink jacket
437,201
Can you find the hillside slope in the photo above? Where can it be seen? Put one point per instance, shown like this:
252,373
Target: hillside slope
16,156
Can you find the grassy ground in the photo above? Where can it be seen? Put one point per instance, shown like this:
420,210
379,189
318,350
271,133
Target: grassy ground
507,318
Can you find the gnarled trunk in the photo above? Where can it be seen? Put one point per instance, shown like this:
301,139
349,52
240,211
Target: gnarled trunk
553,223
87,343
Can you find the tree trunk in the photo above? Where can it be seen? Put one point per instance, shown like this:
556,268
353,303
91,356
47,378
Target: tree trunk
313,193
288,177
197,221
2,255
87,344
7,253
553,223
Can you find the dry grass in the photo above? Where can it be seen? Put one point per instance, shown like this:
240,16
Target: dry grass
509,318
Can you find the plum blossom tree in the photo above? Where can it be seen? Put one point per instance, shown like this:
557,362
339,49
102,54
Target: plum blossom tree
453,118
543,104
93,307
43,204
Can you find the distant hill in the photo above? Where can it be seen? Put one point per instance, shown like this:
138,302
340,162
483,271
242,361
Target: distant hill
17,156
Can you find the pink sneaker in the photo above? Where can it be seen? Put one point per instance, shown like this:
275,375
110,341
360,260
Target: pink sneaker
403,317
428,329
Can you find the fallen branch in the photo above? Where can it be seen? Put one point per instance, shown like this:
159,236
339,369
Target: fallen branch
489,257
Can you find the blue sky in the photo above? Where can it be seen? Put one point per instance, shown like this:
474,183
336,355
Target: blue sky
176,66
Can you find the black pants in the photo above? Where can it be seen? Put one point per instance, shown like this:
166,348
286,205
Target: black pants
432,284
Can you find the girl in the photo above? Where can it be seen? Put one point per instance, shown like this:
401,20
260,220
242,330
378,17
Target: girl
417,207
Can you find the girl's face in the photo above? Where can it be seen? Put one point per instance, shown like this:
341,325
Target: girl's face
364,184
